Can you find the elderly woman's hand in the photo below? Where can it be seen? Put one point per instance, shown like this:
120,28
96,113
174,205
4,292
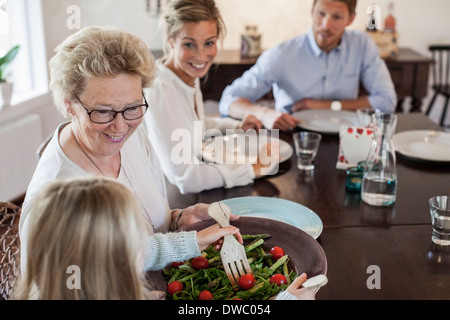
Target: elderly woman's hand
197,213
298,291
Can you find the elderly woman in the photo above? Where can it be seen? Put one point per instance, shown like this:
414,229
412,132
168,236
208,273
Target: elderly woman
97,79
193,29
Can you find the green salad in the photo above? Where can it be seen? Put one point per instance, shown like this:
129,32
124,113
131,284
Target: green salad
204,278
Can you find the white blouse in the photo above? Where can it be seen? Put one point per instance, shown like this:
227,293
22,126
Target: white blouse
172,120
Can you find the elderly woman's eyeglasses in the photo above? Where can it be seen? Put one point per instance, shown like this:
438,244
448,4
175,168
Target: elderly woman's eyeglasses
105,116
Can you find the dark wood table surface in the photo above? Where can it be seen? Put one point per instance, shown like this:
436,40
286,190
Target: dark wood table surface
356,236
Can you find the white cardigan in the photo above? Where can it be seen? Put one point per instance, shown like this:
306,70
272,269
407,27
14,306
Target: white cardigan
172,111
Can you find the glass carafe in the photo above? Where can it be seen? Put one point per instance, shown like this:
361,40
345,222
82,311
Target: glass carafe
379,186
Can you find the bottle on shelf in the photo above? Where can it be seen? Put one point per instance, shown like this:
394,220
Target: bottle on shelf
390,22
250,42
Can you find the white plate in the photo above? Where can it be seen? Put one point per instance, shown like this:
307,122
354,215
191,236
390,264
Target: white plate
423,144
282,210
325,121
241,148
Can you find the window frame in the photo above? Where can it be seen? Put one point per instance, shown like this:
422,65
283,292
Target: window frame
29,70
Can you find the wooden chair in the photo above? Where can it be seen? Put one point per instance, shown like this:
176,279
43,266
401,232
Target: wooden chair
441,77
40,150
9,248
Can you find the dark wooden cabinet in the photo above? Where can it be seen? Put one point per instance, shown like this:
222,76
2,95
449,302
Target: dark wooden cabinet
228,67
409,71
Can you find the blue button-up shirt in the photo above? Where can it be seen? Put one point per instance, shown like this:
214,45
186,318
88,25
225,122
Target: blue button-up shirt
298,69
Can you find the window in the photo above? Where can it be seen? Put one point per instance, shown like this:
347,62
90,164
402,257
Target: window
4,30
21,23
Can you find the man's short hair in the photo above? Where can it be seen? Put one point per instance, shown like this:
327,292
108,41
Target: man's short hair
351,5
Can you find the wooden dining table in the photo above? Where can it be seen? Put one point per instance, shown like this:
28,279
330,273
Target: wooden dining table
372,252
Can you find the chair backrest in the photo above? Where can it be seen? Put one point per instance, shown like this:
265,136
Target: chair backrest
441,68
9,248
40,150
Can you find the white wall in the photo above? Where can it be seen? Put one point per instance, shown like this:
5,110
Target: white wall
420,23
124,14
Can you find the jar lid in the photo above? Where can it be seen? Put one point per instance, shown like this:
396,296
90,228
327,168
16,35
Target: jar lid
251,28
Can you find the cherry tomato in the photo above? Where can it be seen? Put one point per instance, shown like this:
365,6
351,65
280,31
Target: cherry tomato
277,253
174,287
200,263
278,279
176,264
247,281
205,295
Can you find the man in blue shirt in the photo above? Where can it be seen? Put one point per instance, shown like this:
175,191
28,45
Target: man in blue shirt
322,69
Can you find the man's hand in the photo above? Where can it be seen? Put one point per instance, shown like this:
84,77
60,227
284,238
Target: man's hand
285,122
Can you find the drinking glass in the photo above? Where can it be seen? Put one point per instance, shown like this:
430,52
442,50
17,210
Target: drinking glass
440,219
306,146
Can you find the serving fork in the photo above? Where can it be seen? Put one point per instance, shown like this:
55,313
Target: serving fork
234,258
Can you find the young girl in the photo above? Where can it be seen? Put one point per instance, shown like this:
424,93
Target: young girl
87,241
193,29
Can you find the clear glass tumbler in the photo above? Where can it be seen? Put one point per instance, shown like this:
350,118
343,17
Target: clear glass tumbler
306,146
440,219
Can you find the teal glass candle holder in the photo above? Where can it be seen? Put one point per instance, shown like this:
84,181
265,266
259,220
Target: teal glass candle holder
354,179
361,165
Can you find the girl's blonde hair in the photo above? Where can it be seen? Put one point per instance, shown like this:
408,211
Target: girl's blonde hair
96,52
179,12
93,224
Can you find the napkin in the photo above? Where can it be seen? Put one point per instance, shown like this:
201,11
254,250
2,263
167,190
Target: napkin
354,145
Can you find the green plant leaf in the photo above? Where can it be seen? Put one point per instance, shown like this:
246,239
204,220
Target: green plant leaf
7,59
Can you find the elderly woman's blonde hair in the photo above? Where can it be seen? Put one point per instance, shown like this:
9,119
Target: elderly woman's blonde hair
179,12
93,224
97,52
